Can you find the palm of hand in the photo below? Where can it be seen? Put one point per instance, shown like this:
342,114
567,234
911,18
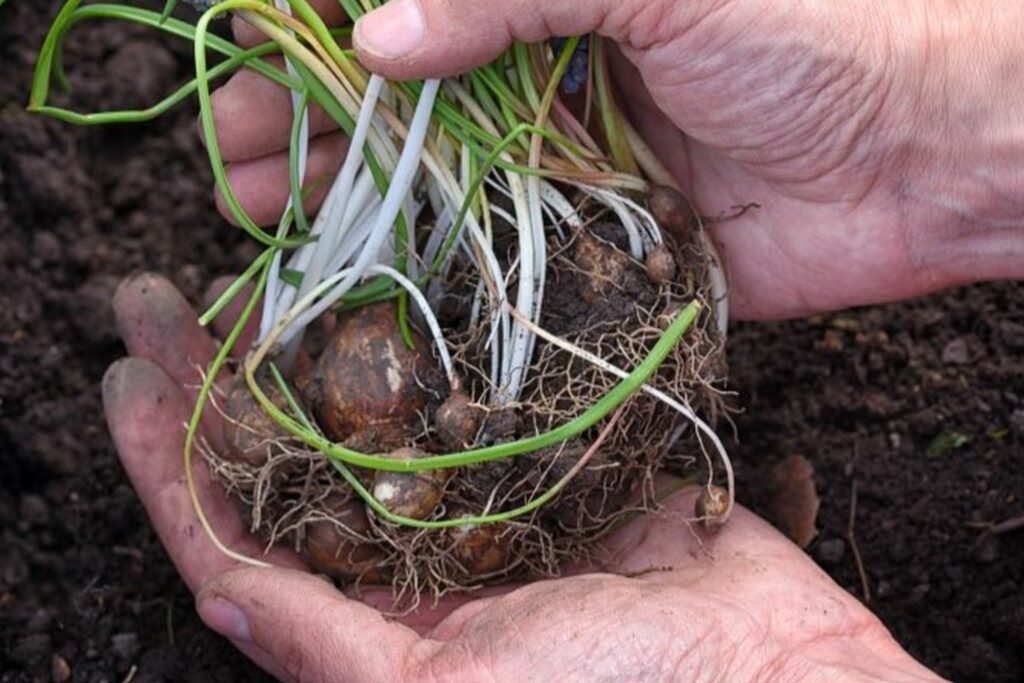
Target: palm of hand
668,604
814,130
743,106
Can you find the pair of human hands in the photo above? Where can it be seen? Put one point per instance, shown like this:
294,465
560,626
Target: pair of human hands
666,601
885,157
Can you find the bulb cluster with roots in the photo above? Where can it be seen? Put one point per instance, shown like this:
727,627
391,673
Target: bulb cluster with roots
501,323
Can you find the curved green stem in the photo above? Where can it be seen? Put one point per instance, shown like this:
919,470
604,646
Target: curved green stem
587,419
71,14
232,291
294,168
611,116
202,400
382,511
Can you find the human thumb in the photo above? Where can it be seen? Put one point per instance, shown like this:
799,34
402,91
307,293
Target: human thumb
310,630
408,39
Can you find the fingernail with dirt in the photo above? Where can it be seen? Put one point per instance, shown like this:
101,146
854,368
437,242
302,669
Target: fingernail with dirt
115,381
151,314
224,617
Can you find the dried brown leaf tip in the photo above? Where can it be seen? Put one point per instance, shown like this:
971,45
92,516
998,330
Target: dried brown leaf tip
794,501
711,507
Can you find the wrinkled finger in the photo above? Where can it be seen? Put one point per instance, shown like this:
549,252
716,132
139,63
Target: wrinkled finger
407,39
248,36
157,323
253,116
262,186
224,322
313,632
146,413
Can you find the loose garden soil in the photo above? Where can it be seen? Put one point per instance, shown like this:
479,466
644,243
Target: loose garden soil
916,407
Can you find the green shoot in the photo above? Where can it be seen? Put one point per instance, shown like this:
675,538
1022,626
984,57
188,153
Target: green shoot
427,148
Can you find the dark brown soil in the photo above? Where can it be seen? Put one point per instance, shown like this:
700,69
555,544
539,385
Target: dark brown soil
82,576
921,405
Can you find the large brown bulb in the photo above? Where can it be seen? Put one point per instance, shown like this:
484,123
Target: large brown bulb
337,551
410,494
671,210
482,549
370,388
604,265
457,422
252,436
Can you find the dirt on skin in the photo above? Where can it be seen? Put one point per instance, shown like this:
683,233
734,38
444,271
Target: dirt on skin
920,404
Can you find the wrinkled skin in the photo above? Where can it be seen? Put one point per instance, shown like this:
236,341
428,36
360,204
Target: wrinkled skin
883,140
885,149
666,602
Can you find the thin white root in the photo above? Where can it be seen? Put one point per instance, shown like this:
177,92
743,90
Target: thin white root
719,284
401,181
273,279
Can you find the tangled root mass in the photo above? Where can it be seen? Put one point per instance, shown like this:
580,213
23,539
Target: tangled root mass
598,299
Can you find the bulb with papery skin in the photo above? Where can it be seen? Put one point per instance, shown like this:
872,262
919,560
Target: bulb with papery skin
334,547
482,549
251,435
415,495
370,388
671,210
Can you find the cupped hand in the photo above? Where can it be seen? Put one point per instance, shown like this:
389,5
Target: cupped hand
883,143
667,602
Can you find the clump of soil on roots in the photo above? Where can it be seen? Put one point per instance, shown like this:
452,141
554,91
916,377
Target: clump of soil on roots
599,299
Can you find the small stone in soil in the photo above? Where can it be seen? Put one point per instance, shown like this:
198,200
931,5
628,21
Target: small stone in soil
987,549
1012,333
1017,422
13,568
124,645
831,552
500,426
30,651
40,621
34,509
46,247
956,352
60,671
918,593
164,663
